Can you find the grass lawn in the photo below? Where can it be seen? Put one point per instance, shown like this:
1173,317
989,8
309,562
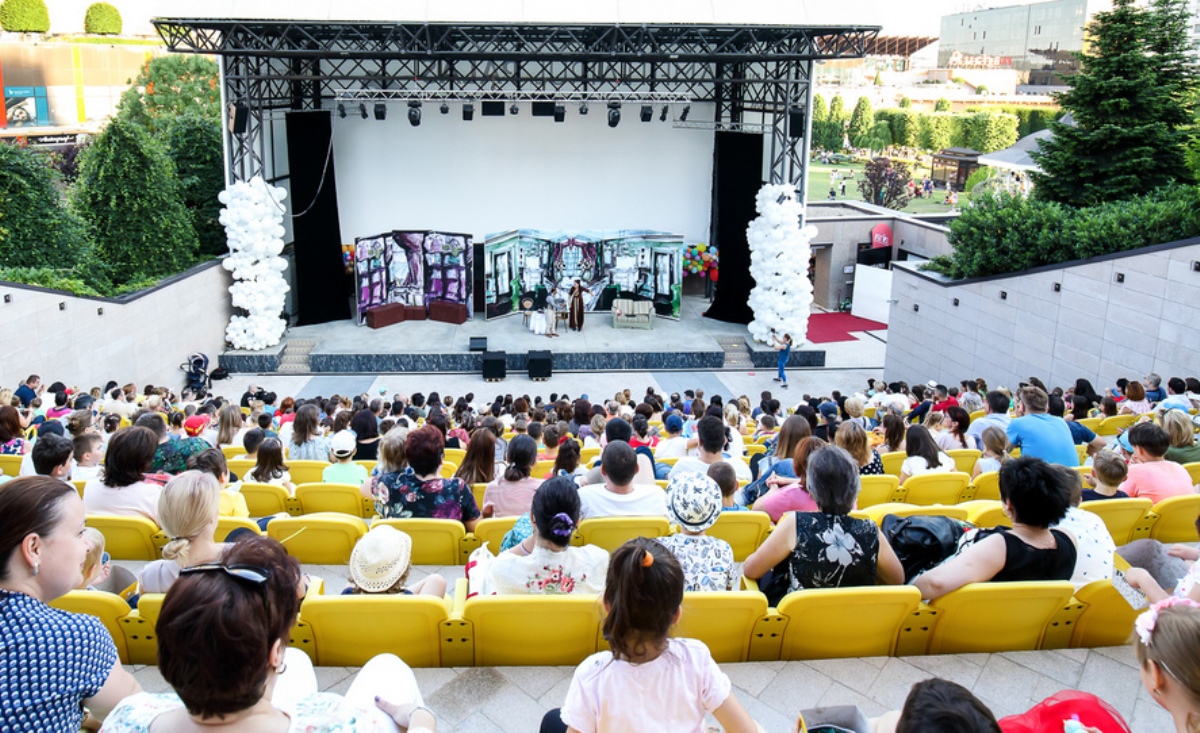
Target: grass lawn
818,188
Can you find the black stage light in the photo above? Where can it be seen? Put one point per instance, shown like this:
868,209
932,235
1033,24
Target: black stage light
663,117
380,111
583,108
647,113
683,115
468,112
414,112
362,110
341,110
560,113
445,108
514,109
614,114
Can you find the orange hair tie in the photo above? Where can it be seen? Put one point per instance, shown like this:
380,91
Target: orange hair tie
648,560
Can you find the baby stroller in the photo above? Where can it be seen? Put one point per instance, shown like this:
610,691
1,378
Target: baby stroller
196,368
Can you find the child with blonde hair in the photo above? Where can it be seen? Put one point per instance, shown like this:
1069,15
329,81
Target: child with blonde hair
995,443
95,566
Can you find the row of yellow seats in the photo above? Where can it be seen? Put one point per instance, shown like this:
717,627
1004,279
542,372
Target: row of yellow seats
945,488
736,626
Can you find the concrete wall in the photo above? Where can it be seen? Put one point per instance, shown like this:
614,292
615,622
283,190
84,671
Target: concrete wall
141,338
1093,327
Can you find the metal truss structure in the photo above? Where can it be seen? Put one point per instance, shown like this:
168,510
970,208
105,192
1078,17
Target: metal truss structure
763,72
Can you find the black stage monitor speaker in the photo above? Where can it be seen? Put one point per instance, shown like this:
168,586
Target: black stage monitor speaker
543,109
492,109
494,368
478,343
796,122
541,365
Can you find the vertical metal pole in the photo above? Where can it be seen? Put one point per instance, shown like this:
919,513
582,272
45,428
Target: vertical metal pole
806,146
226,137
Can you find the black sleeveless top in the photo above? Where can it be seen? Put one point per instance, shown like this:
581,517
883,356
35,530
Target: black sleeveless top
1023,562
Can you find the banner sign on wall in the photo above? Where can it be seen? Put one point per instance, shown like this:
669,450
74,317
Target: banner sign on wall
542,266
881,236
412,268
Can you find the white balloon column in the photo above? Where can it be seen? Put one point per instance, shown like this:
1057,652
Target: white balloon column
253,221
779,254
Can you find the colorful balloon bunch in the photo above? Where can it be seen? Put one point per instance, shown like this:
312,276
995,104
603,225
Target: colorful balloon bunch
700,259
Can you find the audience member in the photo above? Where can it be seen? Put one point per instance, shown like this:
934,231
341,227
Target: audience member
511,494
1150,474
619,495
212,461
1184,448
123,488
995,452
343,469
1038,434
96,568
674,445
1080,434
852,438
996,407
711,432
381,562
1094,558
1136,402
88,450
694,504
479,463
270,468
726,479
188,507
420,491
923,455
1107,475
307,441
53,457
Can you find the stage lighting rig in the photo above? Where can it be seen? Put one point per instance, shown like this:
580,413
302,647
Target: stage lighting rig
663,117
583,108
647,113
560,113
468,112
414,112
683,115
362,110
380,111
614,114
341,110
445,108
514,109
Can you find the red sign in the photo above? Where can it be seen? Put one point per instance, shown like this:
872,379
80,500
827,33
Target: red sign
881,236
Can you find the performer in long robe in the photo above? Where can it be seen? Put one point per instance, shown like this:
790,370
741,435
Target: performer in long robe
575,306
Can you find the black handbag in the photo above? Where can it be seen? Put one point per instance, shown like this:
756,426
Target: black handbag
922,542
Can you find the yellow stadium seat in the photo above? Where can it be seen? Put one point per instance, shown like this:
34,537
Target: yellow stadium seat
1121,516
129,538
1081,451
996,617
233,451
879,490
434,541
79,486
892,462
346,631
964,459
869,412
1091,423
1193,470
322,539
306,472
827,623
477,490
138,629
724,621
612,532
265,500
448,469
340,498
225,525
241,467
587,455
246,410
491,531
542,469
744,531
977,414
1175,519
369,465
10,465
987,486
1107,619
755,448
110,608
986,513
671,461
879,511
454,455
1113,425
496,631
937,488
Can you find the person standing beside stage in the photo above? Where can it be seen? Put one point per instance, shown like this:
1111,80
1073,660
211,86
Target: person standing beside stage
784,348
575,306
550,311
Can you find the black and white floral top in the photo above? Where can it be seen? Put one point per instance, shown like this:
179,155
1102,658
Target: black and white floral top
833,551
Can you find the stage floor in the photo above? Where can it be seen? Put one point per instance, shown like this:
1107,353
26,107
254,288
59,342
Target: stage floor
691,343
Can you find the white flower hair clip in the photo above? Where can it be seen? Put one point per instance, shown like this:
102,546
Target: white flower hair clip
1144,625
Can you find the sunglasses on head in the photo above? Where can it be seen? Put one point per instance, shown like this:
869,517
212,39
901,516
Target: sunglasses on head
246,573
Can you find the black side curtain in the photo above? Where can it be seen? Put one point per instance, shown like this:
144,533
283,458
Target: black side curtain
737,176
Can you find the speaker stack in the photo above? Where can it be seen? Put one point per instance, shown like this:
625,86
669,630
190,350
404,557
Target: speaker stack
541,365
494,367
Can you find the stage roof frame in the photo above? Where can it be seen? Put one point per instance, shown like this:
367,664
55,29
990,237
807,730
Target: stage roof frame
762,70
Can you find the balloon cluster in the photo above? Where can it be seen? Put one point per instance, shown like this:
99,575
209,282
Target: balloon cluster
253,221
779,254
700,259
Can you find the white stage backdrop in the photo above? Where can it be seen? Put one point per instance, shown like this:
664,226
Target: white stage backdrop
499,173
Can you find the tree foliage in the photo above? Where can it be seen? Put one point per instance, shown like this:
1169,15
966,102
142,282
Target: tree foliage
820,112
837,110
885,183
102,19
36,229
1131,104
127,191
194,144
905,103
172,86
862,120
942,105
24,16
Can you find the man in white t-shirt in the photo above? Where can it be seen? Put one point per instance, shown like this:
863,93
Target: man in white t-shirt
674,445
711,433
618,496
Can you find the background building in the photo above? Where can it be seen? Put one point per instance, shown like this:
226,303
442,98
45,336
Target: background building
1037,40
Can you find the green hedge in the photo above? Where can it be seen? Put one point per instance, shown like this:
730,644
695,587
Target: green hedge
1029,119
983,131
102,19
1002,232
24,16
36,230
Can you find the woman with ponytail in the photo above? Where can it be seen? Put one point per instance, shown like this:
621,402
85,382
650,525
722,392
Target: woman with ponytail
187,508
545,562
648,681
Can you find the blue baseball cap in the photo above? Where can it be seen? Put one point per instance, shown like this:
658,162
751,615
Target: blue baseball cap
673,423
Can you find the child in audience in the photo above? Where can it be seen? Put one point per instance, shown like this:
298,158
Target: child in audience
648,680
1108,472
252,439
344,470
694,503
212,460
88,450
994,454
1150,474
381,562
95,566
726,479
766,427
270,468
52,456
550,438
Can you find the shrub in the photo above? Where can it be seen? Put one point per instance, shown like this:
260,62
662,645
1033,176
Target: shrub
942,105
24,16
102,19
194,143
980,175
905,103
37,230
69,280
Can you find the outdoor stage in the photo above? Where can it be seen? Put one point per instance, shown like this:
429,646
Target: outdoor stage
691,343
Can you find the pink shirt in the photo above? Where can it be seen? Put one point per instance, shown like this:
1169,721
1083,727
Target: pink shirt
511,498
790,499
1157,480
140,499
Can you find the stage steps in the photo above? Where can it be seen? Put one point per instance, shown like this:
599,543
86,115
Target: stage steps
295,356
737,354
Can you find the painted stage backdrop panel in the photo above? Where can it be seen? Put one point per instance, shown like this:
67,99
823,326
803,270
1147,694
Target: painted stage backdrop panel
412,268
541,265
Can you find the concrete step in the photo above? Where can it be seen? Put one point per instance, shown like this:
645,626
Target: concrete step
293,369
